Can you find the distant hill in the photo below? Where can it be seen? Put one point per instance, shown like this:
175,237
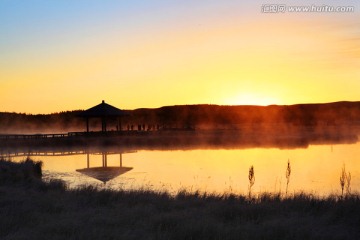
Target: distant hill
195,116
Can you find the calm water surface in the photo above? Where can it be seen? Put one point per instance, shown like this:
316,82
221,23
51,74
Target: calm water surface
315,169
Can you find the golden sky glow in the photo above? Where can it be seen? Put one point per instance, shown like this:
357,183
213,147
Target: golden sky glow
62,55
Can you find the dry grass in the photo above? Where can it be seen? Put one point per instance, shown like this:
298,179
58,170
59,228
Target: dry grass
50,211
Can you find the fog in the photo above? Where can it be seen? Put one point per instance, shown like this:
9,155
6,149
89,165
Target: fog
207,125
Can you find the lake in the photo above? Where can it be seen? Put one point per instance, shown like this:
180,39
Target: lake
314,169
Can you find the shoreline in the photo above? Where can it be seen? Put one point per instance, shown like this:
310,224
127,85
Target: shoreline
172,140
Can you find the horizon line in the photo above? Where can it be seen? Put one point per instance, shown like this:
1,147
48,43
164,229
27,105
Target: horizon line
195,104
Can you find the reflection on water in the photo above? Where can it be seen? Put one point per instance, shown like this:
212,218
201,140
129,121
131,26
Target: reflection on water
314,169
104,173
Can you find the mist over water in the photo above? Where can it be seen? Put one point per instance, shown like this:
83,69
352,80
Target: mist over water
196,147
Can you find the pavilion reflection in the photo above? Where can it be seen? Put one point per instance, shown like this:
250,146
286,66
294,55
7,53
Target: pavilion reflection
104,173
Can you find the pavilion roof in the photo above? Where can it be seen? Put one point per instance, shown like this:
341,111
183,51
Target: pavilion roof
103,110
104,174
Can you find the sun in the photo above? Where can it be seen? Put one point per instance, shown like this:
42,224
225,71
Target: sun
252,99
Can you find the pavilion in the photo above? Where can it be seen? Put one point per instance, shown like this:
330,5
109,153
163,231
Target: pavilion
103,111
104,173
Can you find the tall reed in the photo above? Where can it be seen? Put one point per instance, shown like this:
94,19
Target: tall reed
345,180
251,179
288,173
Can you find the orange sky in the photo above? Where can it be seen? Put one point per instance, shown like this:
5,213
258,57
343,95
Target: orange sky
59,56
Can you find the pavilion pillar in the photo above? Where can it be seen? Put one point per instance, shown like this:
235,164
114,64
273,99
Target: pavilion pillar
103,124
121,160
104,159
119,124
87,124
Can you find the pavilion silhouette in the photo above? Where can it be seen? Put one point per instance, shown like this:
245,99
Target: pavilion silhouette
105,112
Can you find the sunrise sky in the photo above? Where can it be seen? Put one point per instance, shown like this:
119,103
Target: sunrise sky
66,55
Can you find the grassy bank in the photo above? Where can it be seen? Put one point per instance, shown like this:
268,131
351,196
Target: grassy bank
32,209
